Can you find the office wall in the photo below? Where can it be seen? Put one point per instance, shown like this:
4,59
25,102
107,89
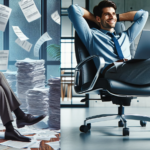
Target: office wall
125,6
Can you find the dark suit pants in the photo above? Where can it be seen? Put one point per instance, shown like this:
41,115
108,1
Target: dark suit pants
134,73
8,100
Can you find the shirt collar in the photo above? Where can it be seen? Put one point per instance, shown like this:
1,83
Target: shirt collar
105,31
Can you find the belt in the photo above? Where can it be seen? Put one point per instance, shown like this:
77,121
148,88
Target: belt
110,65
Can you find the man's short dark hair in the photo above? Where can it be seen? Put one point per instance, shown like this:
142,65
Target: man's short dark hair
98,9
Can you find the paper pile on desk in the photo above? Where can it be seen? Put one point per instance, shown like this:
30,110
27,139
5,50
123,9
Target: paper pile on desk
11,79
37,101
30,74
54,103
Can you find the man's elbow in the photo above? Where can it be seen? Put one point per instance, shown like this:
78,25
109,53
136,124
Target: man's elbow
71,9
147,13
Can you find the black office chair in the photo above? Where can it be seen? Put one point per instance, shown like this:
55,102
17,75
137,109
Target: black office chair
88,79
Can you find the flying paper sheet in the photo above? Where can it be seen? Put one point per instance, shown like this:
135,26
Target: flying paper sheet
29,10
4,16
24,44
3,59
42,39
55,16
19,33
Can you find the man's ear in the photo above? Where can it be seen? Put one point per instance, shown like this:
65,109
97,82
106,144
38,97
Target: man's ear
98,19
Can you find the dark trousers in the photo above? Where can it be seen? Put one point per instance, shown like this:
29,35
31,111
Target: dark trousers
135,73
8,100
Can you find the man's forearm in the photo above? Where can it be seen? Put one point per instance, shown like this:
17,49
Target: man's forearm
128,16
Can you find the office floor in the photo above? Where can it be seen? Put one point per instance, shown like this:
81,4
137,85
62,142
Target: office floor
103,135
43,145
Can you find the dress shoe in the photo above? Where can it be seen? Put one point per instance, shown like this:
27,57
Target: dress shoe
29,119
15,135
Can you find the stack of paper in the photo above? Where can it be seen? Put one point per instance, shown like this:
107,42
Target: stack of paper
37,101
54,103
11,79
30,74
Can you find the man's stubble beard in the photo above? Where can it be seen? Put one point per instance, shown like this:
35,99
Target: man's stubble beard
106,25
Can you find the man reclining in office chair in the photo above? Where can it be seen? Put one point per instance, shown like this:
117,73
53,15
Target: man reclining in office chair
115,49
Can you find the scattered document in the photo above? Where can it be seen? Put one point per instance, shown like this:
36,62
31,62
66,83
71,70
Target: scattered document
44,137
29,10
17,144
24,44
19,33
45,37
8,148
58,131
36,145
2,127
55,16
2,135
4,16
27,131
54,145
4,59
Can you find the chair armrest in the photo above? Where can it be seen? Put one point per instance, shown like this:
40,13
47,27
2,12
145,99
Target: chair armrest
78,67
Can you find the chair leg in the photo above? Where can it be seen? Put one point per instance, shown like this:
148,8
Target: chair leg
99,118
137,117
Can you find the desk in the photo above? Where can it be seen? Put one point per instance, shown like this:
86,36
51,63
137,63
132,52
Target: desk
67,80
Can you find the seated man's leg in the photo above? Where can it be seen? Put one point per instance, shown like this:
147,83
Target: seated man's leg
5,111
22,118
7,118
135,73
12,99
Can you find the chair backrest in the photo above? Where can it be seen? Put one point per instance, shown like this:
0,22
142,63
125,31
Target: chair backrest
88,71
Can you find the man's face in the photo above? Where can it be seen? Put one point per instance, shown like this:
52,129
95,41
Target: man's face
108,18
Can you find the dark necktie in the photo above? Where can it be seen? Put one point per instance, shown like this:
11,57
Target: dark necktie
118,48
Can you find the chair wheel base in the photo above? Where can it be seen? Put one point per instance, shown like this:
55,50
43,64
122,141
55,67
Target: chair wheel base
120,123
89,126
143,123
125,131
84,128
